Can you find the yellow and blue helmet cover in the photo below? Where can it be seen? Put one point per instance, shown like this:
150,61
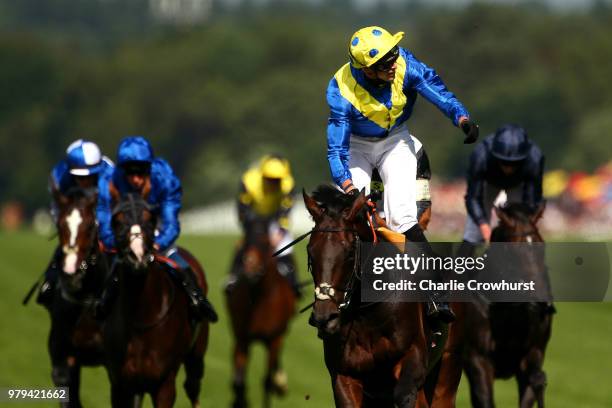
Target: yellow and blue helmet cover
370,44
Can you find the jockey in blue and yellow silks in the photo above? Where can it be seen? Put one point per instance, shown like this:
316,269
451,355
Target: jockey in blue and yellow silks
137,169
371,99
84,168
266,193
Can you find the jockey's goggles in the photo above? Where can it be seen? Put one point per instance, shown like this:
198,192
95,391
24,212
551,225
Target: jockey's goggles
137,168
385,64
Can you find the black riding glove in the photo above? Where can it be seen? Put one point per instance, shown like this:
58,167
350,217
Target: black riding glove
353,192
470,128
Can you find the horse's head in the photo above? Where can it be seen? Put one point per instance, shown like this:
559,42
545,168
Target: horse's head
77,232
133,223
257,252
332,251
517,223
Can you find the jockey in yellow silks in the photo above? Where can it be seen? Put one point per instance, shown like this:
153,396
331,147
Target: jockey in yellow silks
266,194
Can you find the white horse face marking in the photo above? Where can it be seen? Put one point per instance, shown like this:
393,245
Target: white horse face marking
73,220
137,242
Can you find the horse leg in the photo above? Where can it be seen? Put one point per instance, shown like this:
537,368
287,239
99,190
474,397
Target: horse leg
241,357
446,383
481,374
348,391
64,366
137,401
531,380
410,374
276,379
165,394
194,371
74,373
120,398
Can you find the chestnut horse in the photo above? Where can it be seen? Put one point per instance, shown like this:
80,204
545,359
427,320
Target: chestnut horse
260,307
75,338
507,340
377,354
149,331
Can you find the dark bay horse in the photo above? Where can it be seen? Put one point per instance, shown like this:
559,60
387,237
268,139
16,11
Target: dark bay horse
75,338
377,354
507,340
260,307
149,332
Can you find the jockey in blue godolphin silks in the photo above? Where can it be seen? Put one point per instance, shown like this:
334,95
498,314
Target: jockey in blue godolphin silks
136,167
371,99
85,169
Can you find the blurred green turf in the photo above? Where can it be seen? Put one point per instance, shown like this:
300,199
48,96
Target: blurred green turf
578,361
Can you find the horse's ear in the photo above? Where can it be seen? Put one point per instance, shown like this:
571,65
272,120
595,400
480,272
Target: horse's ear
539,212
312,206
146,190
503,217
114,193
358,204
61,199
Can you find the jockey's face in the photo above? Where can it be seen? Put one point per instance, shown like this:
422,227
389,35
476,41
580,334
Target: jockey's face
136,181
508,168
387,75
271,185
85,182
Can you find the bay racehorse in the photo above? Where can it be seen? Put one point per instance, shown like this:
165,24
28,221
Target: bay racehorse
505,340
260,305
377,354
149,332
75,338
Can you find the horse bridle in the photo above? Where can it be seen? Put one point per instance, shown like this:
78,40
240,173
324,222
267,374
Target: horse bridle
325,291
132,205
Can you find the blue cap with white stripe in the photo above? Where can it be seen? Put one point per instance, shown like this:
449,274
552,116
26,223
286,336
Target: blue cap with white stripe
84,158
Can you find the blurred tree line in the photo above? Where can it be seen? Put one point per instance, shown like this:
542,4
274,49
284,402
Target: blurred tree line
213,97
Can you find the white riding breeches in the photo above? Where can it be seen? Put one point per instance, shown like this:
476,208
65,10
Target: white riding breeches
396,161
273,231
492,196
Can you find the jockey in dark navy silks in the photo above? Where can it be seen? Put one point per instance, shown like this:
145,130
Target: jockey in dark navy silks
506,161
85,169
136,167
371,99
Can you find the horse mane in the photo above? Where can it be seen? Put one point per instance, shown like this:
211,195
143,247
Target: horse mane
335,202
519,211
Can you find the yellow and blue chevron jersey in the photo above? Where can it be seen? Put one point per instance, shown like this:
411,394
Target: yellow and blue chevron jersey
362,108
264,204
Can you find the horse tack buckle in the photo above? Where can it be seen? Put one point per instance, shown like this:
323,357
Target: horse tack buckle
324,291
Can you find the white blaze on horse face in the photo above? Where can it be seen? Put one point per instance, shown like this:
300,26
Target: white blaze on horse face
137,242
73,221
70,259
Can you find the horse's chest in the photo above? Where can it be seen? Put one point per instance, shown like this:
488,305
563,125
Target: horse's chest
141,361
367,353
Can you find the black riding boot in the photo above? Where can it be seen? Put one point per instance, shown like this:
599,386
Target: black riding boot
199,304
286,267
436,309
47,289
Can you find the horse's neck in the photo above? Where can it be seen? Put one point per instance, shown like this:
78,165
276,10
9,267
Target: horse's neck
143,295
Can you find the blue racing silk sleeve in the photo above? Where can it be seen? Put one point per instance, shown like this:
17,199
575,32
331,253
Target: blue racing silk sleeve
103,209
428,83
476,179
534,174
338,134
169,201
57,182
